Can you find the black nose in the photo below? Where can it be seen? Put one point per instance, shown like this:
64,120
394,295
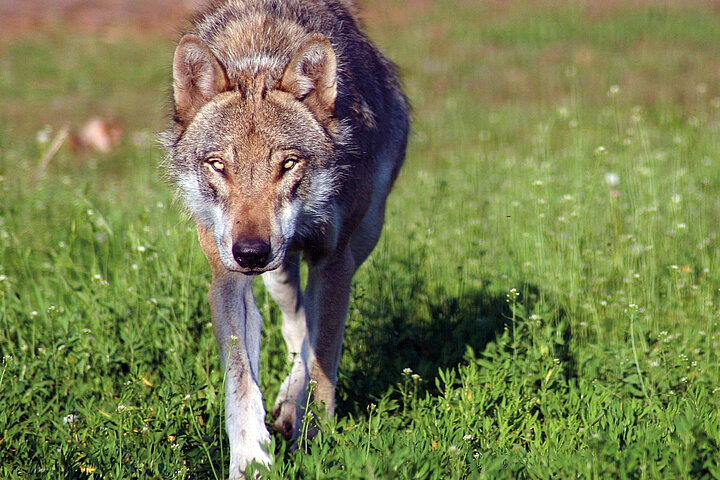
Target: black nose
251,252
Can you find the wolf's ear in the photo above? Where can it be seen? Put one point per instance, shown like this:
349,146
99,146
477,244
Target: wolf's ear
197,77
311,76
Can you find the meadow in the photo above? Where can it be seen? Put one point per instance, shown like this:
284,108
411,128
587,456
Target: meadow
544,301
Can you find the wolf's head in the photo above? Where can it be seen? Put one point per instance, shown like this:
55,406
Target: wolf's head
253,155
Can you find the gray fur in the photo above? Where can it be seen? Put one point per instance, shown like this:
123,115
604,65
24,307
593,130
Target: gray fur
289,126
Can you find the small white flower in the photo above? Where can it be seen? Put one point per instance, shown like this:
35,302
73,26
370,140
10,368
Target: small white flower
43,136
141,249
612,180
614,90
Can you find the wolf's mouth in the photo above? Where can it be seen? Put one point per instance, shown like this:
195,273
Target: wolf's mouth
256,272
272,265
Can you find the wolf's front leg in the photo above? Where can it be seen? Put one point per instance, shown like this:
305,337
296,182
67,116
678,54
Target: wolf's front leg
284,286
237,324
313,328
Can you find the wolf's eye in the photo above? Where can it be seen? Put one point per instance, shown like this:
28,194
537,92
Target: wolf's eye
290,162
216,164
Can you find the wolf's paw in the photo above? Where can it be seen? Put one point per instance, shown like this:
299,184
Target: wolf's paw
285,415
239,466
241,476
290,403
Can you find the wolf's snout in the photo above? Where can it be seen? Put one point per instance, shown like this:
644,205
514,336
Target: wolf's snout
251,253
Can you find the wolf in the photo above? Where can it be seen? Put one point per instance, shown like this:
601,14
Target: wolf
288,130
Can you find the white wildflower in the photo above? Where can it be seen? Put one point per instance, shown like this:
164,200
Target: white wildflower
612,180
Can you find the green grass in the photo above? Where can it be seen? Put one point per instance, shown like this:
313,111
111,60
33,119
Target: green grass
557,324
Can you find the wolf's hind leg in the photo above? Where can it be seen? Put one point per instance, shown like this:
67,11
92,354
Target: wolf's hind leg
327,299
284,286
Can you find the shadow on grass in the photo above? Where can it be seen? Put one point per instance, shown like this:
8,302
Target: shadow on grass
427,330
403,340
